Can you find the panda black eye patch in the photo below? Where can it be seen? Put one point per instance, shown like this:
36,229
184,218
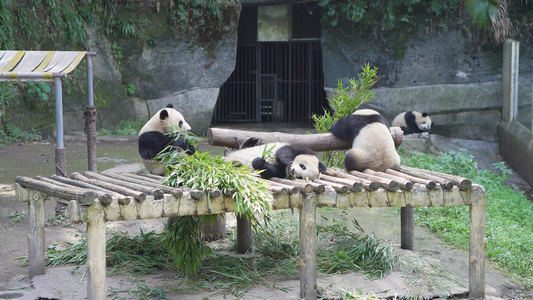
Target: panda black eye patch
181,123
303,167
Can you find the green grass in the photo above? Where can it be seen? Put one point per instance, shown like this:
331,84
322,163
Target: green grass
124,127
509,213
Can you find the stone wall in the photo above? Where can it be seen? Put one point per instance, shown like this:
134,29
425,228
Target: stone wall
450,75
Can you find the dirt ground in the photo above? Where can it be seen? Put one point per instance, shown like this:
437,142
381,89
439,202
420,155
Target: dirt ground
120,153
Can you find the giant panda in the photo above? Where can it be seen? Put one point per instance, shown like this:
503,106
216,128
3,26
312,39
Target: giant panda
372,143
290,160
412,122
154,137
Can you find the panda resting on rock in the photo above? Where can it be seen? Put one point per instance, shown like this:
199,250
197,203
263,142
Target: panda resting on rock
372,143
413,122
290,160
154,137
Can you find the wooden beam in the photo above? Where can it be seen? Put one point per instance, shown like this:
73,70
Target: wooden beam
232,138
36,248
307,261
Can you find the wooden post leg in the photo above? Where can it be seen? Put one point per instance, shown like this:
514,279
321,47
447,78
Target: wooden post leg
478,245
96,252
407,228
308,286
36,250
244,234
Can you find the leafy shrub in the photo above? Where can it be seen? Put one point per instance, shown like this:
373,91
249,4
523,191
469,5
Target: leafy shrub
344,101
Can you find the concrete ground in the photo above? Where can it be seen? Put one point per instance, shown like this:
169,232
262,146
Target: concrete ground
69,282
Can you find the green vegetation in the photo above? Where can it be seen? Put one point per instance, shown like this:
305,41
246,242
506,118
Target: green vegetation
509,212
274,255
345,101
124,127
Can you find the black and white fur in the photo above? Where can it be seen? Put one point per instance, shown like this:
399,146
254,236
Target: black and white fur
290,160
372,143
413,122
154,137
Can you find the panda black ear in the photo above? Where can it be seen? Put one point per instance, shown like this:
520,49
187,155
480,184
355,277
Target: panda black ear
424,115
170,105
322,167
163,115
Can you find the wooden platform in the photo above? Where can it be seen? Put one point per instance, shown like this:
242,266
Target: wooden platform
96,199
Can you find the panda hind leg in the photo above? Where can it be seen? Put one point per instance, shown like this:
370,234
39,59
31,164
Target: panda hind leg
359,160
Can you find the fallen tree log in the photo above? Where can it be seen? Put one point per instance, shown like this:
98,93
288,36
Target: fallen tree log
232,138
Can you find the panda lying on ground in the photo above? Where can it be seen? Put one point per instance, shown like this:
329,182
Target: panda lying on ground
154,138
372,143
290,160
413,122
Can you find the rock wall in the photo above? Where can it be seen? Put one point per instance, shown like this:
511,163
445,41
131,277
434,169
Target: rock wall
450,75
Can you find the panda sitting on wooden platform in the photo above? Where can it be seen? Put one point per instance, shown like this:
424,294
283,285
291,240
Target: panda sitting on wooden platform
155,136
372,143
413,122
290,160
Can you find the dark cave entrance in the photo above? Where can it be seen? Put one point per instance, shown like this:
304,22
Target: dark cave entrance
278,75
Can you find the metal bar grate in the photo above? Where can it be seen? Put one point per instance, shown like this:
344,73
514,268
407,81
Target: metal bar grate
274,82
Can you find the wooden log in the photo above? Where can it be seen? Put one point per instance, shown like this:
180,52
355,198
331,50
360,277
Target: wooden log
139,180
84,197
302,186
388,184
96,252
36,248
232,138
156,192
138,196
244,234
464,184
339,188
477,245
355,186
404,183
122,199
444,183
307,261
291,189
407,228
369,185
428,183
152,176
195,194
103,197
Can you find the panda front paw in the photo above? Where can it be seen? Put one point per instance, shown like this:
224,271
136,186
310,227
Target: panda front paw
258,163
